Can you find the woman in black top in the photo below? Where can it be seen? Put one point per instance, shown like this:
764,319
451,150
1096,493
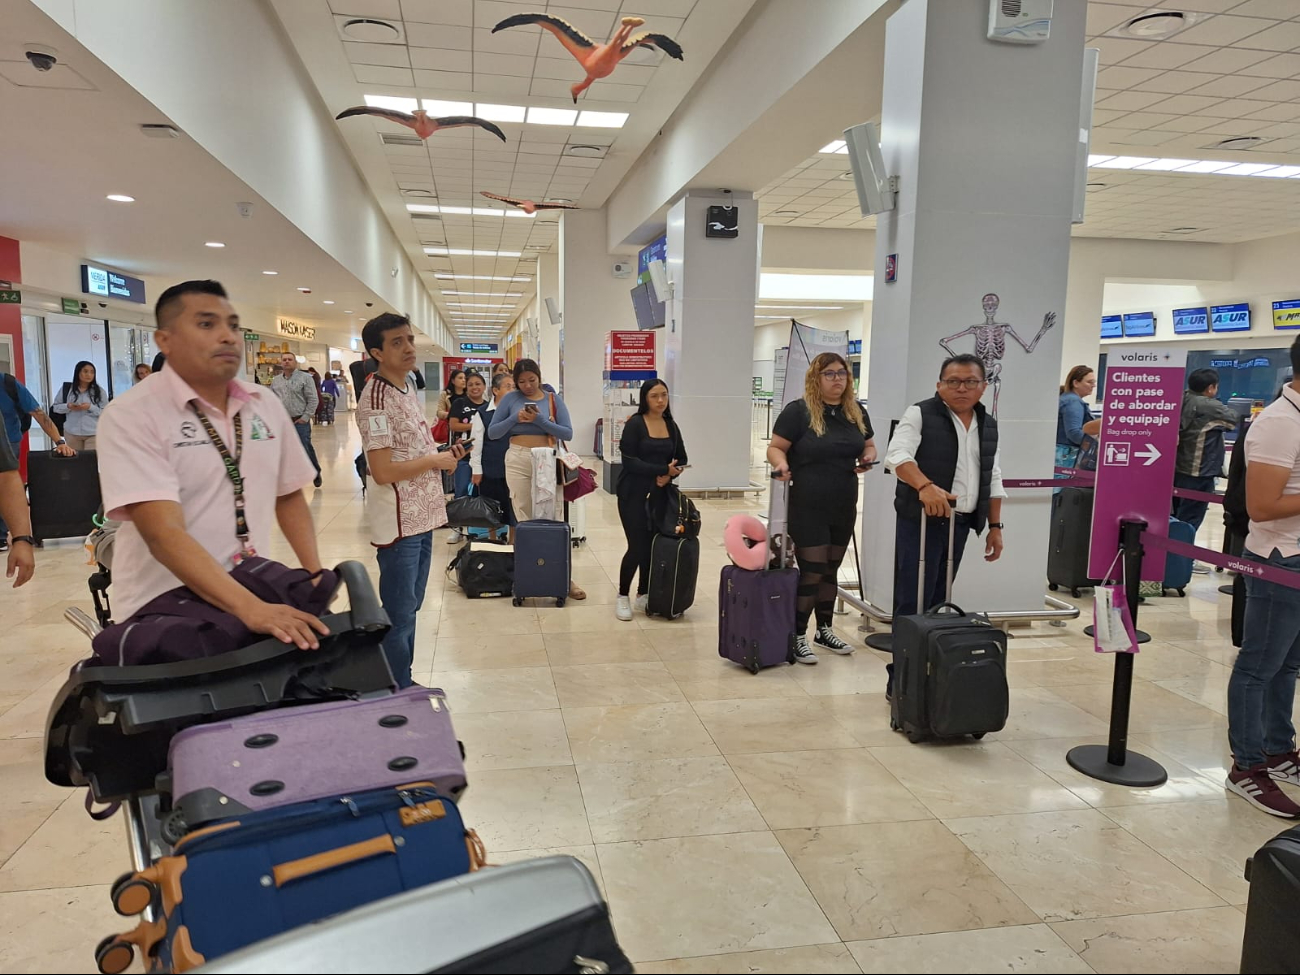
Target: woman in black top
459,421
653,454
821,443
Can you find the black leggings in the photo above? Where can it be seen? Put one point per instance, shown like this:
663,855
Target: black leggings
820,541
631,512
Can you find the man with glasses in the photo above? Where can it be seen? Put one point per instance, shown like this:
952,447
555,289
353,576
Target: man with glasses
945,455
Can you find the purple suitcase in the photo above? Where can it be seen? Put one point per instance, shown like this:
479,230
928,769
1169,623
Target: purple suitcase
756,618
298,754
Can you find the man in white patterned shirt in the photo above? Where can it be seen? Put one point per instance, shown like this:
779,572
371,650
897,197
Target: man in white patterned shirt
297,391
405,504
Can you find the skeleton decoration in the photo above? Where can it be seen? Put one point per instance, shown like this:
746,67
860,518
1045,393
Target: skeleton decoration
991,342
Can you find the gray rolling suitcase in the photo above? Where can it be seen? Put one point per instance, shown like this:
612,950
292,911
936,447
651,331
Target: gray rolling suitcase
542,916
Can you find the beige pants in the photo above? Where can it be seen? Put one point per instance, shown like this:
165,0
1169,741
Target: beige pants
79,443
521,477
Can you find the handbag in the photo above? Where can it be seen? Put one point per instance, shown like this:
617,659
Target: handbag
576,480
441,431
583,483
673,514
475,511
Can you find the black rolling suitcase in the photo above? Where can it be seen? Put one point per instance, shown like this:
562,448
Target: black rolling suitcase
64,494
1067,554
674,569
1271,945
950,669
543,561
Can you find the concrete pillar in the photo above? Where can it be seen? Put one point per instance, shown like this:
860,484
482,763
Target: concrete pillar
710,335
982,136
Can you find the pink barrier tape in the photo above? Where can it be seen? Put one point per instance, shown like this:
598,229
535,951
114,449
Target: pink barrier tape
1246,567
1191,495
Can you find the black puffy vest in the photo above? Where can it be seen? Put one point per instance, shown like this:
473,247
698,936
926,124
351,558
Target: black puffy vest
937,458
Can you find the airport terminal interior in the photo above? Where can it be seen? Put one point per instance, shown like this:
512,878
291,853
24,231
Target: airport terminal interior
601,193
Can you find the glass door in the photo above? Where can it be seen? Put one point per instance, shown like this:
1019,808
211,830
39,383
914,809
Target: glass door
122,358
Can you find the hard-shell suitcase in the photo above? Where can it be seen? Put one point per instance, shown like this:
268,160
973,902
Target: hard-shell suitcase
543,561
256,876
1271,945
290,755
544,916
950,669
484,569
64,494
1067,553
674,568
756,610
1178,568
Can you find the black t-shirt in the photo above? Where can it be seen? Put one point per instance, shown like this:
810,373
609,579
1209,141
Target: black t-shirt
827,460
463,409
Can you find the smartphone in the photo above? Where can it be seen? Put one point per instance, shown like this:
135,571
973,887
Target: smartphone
531,407
683,467
867,466
466,444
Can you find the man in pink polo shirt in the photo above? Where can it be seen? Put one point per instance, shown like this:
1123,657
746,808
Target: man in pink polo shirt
198,465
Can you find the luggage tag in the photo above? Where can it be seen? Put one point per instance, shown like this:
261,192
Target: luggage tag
1112,623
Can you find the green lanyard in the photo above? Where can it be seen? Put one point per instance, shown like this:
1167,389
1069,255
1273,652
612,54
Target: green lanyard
232,469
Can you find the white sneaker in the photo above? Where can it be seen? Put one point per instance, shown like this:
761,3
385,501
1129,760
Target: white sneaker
1200,568
642,601
624,609
826,638
455,538
802,652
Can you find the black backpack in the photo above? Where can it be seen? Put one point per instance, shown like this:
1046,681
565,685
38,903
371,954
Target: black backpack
24,418
59,419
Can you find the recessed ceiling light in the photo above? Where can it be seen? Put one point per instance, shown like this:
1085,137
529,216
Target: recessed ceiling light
437,106
838,146
214,243
270,272
1155,26
347,311
558,199
500,113
552,116
602,120
374,31
328,302
397,103
120,198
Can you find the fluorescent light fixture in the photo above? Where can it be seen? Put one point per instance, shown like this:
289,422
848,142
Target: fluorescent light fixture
838,146
270,272
799,307
465,211
214,243
1164,165
462,252
396,102
1247,169
500,113
784,318
445,276
1282,172
485,294
773,287
328,302
500,306
1206,166
435,106
120,198
1123,162
603,120
1096,159
552,116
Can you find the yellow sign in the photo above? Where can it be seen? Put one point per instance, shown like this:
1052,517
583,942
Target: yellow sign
295,331
1286,314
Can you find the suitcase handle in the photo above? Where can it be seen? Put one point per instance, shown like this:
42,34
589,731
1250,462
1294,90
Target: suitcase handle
292,870
367,615
920,571
946,609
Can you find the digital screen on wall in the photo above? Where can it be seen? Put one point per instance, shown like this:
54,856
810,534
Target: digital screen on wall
1139,325
110,284
649,313
1286,314
1230,318
656,250
1112,326
1191,321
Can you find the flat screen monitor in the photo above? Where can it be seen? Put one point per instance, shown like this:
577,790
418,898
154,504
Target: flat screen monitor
1286,314
649,313
1139,325
1191,321
1230,318
1112,326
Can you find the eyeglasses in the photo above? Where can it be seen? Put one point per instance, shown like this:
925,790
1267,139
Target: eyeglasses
956,384
834,374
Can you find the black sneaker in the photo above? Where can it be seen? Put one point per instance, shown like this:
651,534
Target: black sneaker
802,652
317,482
826,638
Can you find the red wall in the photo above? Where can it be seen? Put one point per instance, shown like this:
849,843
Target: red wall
11,319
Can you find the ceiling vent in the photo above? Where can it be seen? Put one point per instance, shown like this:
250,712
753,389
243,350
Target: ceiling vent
397,139
369,30
586,151
427,216
1157,26
1240,143
421,192
160,131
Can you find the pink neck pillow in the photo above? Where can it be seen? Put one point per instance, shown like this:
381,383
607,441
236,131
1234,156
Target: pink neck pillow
745,539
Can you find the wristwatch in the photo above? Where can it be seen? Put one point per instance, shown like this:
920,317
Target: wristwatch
25,538
60,442
996,524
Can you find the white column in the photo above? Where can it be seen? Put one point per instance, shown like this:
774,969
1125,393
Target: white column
982,136
709,337
1081,339
548,286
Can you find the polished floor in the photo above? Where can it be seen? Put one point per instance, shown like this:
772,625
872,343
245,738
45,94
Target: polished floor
740,823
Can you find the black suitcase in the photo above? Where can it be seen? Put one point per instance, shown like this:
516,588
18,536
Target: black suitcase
1271,945
1067,553
543,561
950,669
484,569
64,493
674,568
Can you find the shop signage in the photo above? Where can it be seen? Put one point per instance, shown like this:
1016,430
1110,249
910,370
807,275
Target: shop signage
10,296
480,347
1135,464
630,352
295,331
1286,314
110,284
71,306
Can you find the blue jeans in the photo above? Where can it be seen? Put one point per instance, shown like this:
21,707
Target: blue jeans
304,434
1261,691
1185,509
403,578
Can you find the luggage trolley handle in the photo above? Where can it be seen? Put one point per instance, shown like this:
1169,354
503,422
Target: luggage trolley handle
784,540
920,575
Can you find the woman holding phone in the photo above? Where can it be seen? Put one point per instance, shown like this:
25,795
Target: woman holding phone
821,443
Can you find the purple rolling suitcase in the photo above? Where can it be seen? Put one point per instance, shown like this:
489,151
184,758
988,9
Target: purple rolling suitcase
756,618
298,754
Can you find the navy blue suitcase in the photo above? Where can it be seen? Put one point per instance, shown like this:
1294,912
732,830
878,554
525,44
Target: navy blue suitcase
543,560
1178,568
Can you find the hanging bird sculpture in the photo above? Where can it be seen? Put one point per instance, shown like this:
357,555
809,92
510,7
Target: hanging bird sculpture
598,60
420,122
528,206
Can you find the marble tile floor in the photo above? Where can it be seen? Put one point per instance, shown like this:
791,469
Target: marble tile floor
767,823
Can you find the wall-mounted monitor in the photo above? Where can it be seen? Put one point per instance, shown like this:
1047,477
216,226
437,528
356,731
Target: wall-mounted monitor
1230,318
1286,314
1191,321
649,313
1139,325
110,284
1112,326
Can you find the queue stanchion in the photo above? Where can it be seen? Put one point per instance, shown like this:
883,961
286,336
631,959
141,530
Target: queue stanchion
1113,762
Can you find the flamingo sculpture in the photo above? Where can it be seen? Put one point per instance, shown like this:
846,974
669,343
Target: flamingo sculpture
598,60
528,206
420,122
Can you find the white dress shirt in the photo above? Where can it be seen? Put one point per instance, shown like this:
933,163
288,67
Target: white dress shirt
966,481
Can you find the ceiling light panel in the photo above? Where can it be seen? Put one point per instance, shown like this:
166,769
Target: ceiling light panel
602,120
395,102
552,116
500,113
438,107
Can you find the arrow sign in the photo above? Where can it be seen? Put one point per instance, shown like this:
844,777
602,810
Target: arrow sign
1150,453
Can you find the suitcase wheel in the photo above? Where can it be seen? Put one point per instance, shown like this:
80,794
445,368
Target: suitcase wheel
893,724
131,895
914,736
174,827
979,735
113,955
559,603
1182,593
1052,587
753,666
518,601
1075,593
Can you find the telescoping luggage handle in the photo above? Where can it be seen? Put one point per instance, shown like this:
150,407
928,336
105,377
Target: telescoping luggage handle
784,540
947,604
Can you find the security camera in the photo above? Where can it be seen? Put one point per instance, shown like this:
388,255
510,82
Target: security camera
103,304
370,304
42,58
